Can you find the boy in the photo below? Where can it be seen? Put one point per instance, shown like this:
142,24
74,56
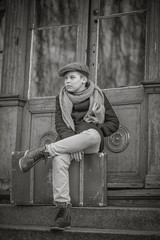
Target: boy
83,118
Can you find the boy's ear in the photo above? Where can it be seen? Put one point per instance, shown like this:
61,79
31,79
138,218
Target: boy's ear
84,79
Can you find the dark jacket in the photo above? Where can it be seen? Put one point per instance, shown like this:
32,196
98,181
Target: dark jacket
79,110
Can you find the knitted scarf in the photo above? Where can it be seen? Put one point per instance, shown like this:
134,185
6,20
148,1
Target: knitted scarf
68,99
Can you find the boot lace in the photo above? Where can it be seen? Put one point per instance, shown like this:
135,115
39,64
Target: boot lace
63,210
38,155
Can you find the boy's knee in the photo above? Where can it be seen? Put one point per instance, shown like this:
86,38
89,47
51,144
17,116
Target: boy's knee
94,135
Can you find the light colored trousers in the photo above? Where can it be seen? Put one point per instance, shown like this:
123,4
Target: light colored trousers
87,141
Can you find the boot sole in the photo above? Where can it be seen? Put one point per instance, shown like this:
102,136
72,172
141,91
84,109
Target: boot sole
20,161
59,228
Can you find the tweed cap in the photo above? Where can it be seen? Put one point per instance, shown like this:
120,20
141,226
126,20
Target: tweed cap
75,66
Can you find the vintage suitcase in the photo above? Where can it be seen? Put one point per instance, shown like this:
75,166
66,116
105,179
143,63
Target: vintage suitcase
88,180
33,187
88,183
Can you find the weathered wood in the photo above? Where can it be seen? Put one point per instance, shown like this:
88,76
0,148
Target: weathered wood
42,129
152,90
10,129
42,105
26,128
13,82
152,69
125,96
153,176
83,30
134,193
13,74
135,107
134,197
126,169
11,101
153,203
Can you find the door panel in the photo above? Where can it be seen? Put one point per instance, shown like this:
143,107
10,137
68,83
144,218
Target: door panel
125,154
42,132
59,36
117,53
125,165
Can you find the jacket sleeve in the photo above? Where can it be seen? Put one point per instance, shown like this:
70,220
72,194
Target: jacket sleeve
62,130
111,122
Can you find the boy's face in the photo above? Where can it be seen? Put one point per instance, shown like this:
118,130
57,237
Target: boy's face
74,82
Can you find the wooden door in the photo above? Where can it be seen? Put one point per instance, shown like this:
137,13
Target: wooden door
117,60
58,38
57,35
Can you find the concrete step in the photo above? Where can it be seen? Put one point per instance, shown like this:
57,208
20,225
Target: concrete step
120,218
20,232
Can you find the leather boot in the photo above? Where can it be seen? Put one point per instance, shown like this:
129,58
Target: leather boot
63,218
31,157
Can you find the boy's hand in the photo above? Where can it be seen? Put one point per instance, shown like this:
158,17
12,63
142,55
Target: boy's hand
95,107
78,156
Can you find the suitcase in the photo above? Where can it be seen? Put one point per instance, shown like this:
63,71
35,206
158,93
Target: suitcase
88,183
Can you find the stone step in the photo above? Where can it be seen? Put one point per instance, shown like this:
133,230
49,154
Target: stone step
19,232
122,218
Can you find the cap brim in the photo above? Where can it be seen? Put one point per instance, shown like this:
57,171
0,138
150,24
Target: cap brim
62,72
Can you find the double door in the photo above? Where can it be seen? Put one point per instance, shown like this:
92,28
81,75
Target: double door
110,37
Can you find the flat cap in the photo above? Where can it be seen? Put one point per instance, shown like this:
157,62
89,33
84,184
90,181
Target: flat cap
75,66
